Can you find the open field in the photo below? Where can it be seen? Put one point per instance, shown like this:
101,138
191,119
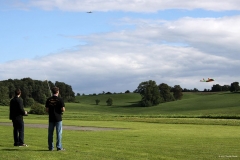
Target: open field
171,131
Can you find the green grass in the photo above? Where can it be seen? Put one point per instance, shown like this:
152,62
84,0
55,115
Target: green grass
139,141
193,105
171,131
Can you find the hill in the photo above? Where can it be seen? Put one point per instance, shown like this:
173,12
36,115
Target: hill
199,104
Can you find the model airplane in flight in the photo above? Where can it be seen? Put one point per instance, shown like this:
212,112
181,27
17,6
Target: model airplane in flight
208,80
89,12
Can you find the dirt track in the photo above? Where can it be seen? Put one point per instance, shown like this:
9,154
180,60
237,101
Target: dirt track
80,128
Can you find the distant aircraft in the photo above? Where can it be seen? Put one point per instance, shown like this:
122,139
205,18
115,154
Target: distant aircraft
89,12
208,80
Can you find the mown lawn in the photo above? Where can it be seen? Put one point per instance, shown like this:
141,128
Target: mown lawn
171,131
138,140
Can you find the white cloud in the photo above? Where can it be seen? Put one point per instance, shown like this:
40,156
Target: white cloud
130,5
177,52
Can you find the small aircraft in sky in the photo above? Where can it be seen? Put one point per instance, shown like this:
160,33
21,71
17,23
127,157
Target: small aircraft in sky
208,80
89,12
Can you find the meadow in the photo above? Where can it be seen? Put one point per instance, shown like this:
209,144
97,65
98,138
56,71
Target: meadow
200,126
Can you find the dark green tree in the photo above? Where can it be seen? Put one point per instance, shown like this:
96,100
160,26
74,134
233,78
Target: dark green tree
216,88
225,88
109,101
177,92
150,93
4,95
97,101
195,90
65,91
127,91
38,90
165,92
11,89
234,87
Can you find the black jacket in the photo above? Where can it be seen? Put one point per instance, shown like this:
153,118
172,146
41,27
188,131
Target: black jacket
16,109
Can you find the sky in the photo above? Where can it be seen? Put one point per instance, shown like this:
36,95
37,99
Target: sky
121,43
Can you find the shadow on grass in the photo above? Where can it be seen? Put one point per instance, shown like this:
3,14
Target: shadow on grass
232,93
18,149
10,149
133,104
129,105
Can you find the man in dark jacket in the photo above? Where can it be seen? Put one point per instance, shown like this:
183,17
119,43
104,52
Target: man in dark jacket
55,108
16,115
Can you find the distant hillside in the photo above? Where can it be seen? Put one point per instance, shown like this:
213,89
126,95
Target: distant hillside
199,104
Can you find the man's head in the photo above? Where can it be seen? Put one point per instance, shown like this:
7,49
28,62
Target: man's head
17,92
55,90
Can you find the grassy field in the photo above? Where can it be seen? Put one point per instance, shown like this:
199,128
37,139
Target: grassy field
171,131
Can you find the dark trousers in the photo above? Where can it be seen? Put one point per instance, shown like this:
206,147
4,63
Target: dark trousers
18,132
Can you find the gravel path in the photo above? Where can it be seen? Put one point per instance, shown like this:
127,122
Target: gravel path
76,128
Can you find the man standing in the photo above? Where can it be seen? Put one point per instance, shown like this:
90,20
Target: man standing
16,115
55,108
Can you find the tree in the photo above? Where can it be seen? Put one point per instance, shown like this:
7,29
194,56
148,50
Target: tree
216,88
177,92
225,88
165,92
97,101
11,89
4,95
150,93
65,91
195,90
109,101
127,91
38,90
234,87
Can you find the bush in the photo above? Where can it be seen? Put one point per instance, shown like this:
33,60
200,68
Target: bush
38,108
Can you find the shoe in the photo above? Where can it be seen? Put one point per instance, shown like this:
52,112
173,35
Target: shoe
61,149
22,145
51,149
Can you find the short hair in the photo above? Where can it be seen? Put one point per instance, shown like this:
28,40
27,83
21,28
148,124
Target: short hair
55,90
17,92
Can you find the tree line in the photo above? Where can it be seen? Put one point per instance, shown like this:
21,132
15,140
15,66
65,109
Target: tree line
153,94
234,87
33,91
